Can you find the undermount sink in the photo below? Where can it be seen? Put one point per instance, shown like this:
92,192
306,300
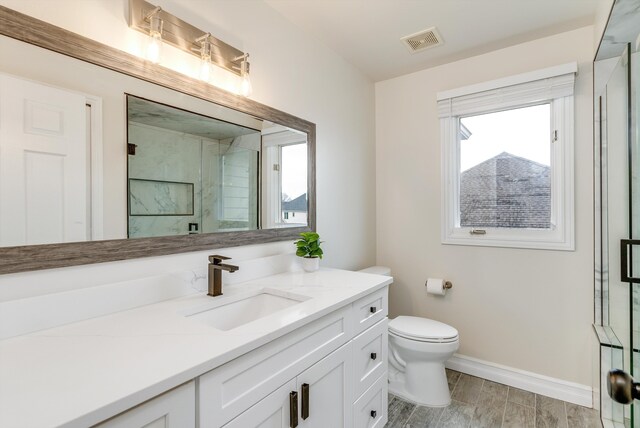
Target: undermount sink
227,316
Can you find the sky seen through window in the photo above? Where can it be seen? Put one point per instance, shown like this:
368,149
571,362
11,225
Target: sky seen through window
523,132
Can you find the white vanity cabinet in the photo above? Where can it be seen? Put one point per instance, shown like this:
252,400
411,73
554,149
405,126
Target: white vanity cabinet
233,388
319,397
316,376
370,361
328,373
173,409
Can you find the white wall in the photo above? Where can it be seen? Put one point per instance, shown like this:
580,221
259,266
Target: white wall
527,309
291,72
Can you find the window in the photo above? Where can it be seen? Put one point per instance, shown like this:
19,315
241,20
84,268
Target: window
507,148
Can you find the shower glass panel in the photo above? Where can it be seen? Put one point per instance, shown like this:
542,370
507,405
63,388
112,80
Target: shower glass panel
615,204
617,213
615,114
634,224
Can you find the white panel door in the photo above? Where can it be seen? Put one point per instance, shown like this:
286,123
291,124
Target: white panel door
330,394
43,164
270,412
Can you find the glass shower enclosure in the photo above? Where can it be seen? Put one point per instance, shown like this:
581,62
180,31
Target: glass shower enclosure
617,214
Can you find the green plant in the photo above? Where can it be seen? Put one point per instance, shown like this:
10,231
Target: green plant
309,245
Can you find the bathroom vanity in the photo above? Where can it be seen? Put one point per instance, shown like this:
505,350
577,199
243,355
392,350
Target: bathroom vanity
121,342
286,350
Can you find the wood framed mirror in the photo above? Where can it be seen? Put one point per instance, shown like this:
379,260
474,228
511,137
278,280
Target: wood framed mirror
251,212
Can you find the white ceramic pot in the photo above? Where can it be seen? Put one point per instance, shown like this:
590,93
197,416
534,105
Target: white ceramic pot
310,264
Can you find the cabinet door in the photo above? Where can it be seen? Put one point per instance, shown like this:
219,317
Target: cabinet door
173,409
229,390
273,411
325,391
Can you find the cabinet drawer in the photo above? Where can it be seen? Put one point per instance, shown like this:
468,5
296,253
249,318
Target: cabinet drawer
173,409
370,356
370,411
232,388
371,309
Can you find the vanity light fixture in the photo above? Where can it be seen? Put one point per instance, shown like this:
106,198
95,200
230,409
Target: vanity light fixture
163,27
154,46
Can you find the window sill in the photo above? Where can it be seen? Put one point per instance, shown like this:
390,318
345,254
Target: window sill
537,240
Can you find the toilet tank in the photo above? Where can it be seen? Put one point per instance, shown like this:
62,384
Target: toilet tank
378,270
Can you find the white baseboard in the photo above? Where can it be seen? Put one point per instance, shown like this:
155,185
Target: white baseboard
539,384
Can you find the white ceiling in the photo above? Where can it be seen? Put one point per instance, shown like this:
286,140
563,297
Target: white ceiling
367,32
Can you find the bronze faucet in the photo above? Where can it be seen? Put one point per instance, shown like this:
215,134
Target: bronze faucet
215,274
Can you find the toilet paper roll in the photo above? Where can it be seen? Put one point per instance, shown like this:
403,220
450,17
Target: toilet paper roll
436,286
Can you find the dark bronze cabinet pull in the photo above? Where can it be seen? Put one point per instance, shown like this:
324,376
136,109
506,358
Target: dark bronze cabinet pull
374,355
374,414
305,401
373,309
293,409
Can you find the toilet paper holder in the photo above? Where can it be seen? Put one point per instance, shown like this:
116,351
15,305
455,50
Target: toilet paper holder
447,285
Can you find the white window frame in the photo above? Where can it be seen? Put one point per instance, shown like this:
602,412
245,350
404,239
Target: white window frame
553,85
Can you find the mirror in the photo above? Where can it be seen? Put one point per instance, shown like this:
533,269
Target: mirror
105,146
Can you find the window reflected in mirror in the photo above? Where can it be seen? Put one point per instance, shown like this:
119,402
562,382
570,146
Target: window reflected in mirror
294,188
285,177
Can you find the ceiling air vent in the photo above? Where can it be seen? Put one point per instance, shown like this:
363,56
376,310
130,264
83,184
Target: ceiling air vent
428,38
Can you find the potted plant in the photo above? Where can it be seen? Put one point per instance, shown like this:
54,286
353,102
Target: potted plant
308,247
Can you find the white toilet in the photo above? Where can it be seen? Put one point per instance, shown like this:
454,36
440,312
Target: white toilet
418,348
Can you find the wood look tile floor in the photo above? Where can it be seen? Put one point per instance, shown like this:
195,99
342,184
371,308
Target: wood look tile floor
480,403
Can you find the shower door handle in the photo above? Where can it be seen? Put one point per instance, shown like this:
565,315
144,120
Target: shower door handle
625,244
622,388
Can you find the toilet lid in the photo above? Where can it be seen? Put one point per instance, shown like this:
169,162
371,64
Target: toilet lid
422,329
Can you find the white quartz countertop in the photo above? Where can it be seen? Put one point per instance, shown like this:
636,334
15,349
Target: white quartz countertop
80,374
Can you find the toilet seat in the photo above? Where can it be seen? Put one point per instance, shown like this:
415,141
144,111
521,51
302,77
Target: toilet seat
422,330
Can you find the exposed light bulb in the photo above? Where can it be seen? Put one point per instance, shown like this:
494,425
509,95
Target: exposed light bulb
205,57
205,70
245,85
154,46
